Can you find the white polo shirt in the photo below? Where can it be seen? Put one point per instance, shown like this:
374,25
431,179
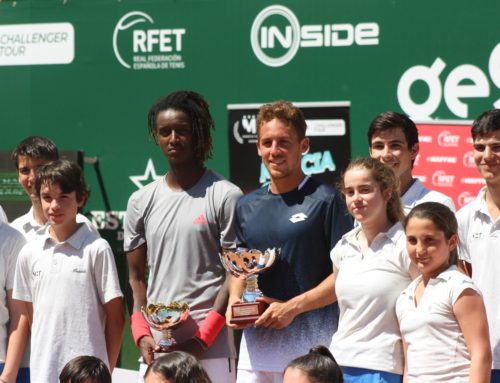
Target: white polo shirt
437,351
29,227
418,193
367,288
68,283
11,242
480,246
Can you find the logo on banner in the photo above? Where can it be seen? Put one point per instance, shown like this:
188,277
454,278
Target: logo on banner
139,44
149,175
464,198
468,160
446,139
245,130
312,163
440,178
277,35
463,82
37,44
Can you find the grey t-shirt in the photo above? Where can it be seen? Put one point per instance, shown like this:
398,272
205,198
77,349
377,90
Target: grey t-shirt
184,232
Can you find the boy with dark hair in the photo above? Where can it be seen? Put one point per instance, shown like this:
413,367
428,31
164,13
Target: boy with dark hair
85,369
67,277
393,140
479,226
175,228
28,156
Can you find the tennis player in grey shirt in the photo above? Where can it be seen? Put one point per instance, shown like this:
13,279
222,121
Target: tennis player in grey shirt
175,227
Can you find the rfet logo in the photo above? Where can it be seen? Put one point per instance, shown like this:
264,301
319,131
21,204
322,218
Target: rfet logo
468,160
138,44
440,178
277,35
446,139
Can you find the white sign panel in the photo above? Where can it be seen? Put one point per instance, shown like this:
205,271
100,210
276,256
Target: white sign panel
37,44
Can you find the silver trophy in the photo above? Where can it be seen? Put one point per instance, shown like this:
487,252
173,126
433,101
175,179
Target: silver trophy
248,264
165,318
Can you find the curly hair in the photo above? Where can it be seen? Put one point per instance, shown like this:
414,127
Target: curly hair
198,112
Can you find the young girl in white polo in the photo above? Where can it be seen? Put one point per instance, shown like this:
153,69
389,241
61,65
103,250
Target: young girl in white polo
441,314
371,269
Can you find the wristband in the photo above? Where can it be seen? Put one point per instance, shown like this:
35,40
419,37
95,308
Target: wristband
208,331
139,327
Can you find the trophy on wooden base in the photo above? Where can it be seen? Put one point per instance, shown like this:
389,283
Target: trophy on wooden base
165,318
247,264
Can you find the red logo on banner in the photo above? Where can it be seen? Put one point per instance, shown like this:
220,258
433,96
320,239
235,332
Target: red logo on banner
445,162
445,138
468,160
441,179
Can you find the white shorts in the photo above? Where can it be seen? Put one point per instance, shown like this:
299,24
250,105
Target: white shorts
220,370
249,376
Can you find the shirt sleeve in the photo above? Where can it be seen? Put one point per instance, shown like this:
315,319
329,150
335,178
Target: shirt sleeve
15,244
105,274
335,255
227,218
459,285
134,233
23,278
463,228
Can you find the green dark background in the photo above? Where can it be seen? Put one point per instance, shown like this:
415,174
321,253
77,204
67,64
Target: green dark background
96,105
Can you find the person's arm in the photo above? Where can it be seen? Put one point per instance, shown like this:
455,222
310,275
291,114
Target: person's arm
211,326
471,316
280,314
114,326
19,329
236,288
136,260
405,353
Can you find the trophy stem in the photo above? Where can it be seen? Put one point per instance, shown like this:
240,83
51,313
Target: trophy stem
167,339
252,284
252,291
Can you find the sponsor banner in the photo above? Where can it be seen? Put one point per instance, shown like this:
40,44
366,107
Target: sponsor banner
37,44
464,83
277,35
140,43
327,129
445,161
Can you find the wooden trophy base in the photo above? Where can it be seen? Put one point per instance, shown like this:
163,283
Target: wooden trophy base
247,313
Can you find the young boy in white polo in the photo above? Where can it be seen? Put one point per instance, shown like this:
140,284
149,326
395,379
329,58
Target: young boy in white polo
67,278
479,226
29,154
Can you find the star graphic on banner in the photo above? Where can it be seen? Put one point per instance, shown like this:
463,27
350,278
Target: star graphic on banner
148,176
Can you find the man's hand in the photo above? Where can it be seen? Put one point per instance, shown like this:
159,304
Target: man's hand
278,315
148,347
229,315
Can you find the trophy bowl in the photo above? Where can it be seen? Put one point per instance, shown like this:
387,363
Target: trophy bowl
248,264
165,318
